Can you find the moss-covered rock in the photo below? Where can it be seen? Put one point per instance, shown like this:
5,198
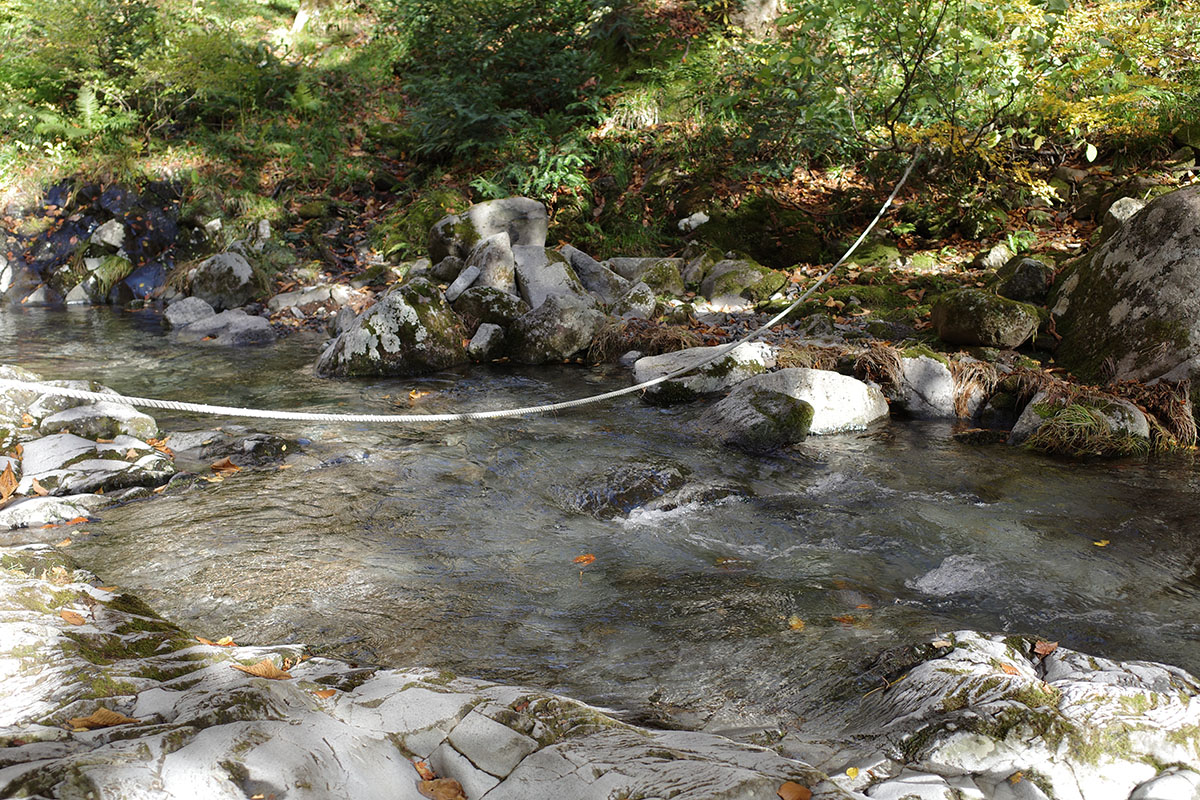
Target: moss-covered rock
768,231
742,278
976,317
664,277
1134,302
757,419
411,330
226,280
562,326
1082,424
486,304
1024,279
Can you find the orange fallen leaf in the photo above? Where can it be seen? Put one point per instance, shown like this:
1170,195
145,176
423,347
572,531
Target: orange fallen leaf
223,642
132,455
64,543
37,488
108,588
161,446
285,466
791,790
76,521
585,559
26,421
795,623
264,669
8,483
442,789
1045,648
845,619
71,617
861,606
100,718
224,466
424,771
325,693
1009,669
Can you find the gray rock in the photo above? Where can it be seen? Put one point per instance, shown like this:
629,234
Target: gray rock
497,267
101,421
487,342
411,330
735,366
542,273
42,296
1025,279
697,269
625,487
840,403
909,785
692,222
1118,214
927,388
34,512
111,235
462,283
486,304
595,277
1173,784
447,269
741,278
225,280
630,268
1133,303
638,302
976,317
65,464
1113,416
447,762
630,358
993,258
232,328
48,404
308,299
664,277
563,325
757,419
490,745
525,221
186,311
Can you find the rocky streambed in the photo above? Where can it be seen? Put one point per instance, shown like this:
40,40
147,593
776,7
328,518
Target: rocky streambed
749,621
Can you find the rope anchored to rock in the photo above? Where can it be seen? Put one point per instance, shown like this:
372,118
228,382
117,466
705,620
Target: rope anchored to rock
548,408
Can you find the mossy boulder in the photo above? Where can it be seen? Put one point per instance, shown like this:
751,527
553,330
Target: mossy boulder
740,277
563,325
977,317
1130,309
663,277
411,330
525,220
225,280
1024,279
486,304
757,419
769,231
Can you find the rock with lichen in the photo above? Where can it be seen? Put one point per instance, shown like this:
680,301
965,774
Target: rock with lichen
411,330
559,328
976,317
734,366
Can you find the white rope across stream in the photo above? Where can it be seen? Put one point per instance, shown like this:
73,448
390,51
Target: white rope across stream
311,416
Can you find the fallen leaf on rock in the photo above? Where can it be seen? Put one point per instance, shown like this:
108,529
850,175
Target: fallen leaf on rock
791,790
852,772
325,693
26,421
585,559
161,446
264,669
8,483
424,771
71,617
132,455
442,789
100,718
795,623
285,466
224,467
1009,669
223,642
942,643
76,521
37,488
64,543
1045,648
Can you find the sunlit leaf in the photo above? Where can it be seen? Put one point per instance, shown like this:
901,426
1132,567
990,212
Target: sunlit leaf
845,619
8,483
791,790
100,718
424,771
1045,648
1009,669
442,789
222,642
71,617
224,467
26,421
37,488
852,772
795,623
585,559
264,669
942,643
325,693
1101,543
64,543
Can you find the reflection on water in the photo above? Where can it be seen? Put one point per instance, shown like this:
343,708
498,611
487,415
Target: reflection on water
453,546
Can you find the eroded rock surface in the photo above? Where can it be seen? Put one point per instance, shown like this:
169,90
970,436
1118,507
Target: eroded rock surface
732,368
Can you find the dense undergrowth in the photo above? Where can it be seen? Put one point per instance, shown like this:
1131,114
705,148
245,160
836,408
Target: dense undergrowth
622,115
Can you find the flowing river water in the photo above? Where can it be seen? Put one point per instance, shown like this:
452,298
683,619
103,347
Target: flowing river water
453,545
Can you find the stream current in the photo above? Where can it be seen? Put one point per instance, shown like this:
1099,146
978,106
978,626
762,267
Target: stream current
452,546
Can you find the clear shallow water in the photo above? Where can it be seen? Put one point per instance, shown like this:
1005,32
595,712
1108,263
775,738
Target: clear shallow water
453,546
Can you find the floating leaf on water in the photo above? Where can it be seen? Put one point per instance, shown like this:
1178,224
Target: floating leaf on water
1045,648
442,789
71,617
791,790
845,619
585,559
100,718
264,669
862,606
795,623
1101,543
224,467
424,771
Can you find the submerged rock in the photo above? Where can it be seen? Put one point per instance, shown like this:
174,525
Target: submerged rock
626,487
738,364
411,330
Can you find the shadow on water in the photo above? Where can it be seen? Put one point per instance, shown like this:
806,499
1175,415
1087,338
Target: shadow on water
453,546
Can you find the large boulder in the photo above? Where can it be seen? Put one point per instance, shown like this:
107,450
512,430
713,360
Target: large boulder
926,388
738,277
486,304
525,221
735,366
1025,279
975,317
625,487
1130,309
66,464
542,273
839,403
559,328
493,256
410,331
1082,425
595,276
757,418
233,327
225,280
